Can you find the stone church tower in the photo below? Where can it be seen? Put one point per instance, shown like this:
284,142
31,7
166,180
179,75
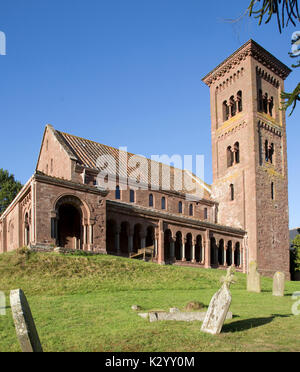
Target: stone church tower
249,150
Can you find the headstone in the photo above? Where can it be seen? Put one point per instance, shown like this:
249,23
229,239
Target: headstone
253,278
2,304
278,284
135,307
178,316
219,306
174,310
24,323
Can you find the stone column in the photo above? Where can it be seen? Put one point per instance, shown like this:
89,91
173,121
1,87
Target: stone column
84,234
233,254
161,253
216,252
224,253
193,253
155,247
202,250
207,263
183,259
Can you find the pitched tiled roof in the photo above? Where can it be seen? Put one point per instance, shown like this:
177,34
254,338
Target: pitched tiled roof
86,153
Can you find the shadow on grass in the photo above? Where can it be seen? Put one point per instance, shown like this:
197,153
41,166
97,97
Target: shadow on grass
243,325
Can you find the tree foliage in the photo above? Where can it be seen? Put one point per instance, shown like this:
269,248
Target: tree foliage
285,11
296,253
9,189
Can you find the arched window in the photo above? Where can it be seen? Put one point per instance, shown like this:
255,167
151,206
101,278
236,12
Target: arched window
118,193
231,192
225,111
163,203
132,196
229,157
271,152
271,105
191,210
205,214
240,101
237,152
151,204
266,150
265,103
232,106
180,207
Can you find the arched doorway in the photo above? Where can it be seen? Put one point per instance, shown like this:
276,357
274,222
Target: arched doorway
124,238
229,254
150,238
213,246
178,246
111,229
167,245
198,248
221,253
69,226
137,235
188,247
237,255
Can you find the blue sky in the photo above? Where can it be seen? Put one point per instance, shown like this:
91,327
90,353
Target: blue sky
124,73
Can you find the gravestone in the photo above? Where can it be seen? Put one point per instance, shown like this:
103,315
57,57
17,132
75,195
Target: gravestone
219,306
278,284
2,304
24,323
253,278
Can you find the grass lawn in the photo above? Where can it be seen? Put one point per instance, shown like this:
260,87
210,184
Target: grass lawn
84,304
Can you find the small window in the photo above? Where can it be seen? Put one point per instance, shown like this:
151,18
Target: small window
231,192
205,214
265,103
191,210
151,200
237,152
225,111
272,190
230,157
232,106
163,203
118,193
240,101
180,207
132,196
271,106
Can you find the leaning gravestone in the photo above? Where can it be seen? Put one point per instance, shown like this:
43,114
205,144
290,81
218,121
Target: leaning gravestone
253,279
24,323
219,306
278,284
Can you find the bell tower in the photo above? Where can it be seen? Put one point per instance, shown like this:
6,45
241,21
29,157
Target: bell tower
250,179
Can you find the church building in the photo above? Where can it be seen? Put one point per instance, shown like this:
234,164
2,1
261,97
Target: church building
242,217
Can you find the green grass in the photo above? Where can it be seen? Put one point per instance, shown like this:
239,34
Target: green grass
83,303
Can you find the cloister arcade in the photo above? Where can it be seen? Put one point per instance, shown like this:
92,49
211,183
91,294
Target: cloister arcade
179,245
